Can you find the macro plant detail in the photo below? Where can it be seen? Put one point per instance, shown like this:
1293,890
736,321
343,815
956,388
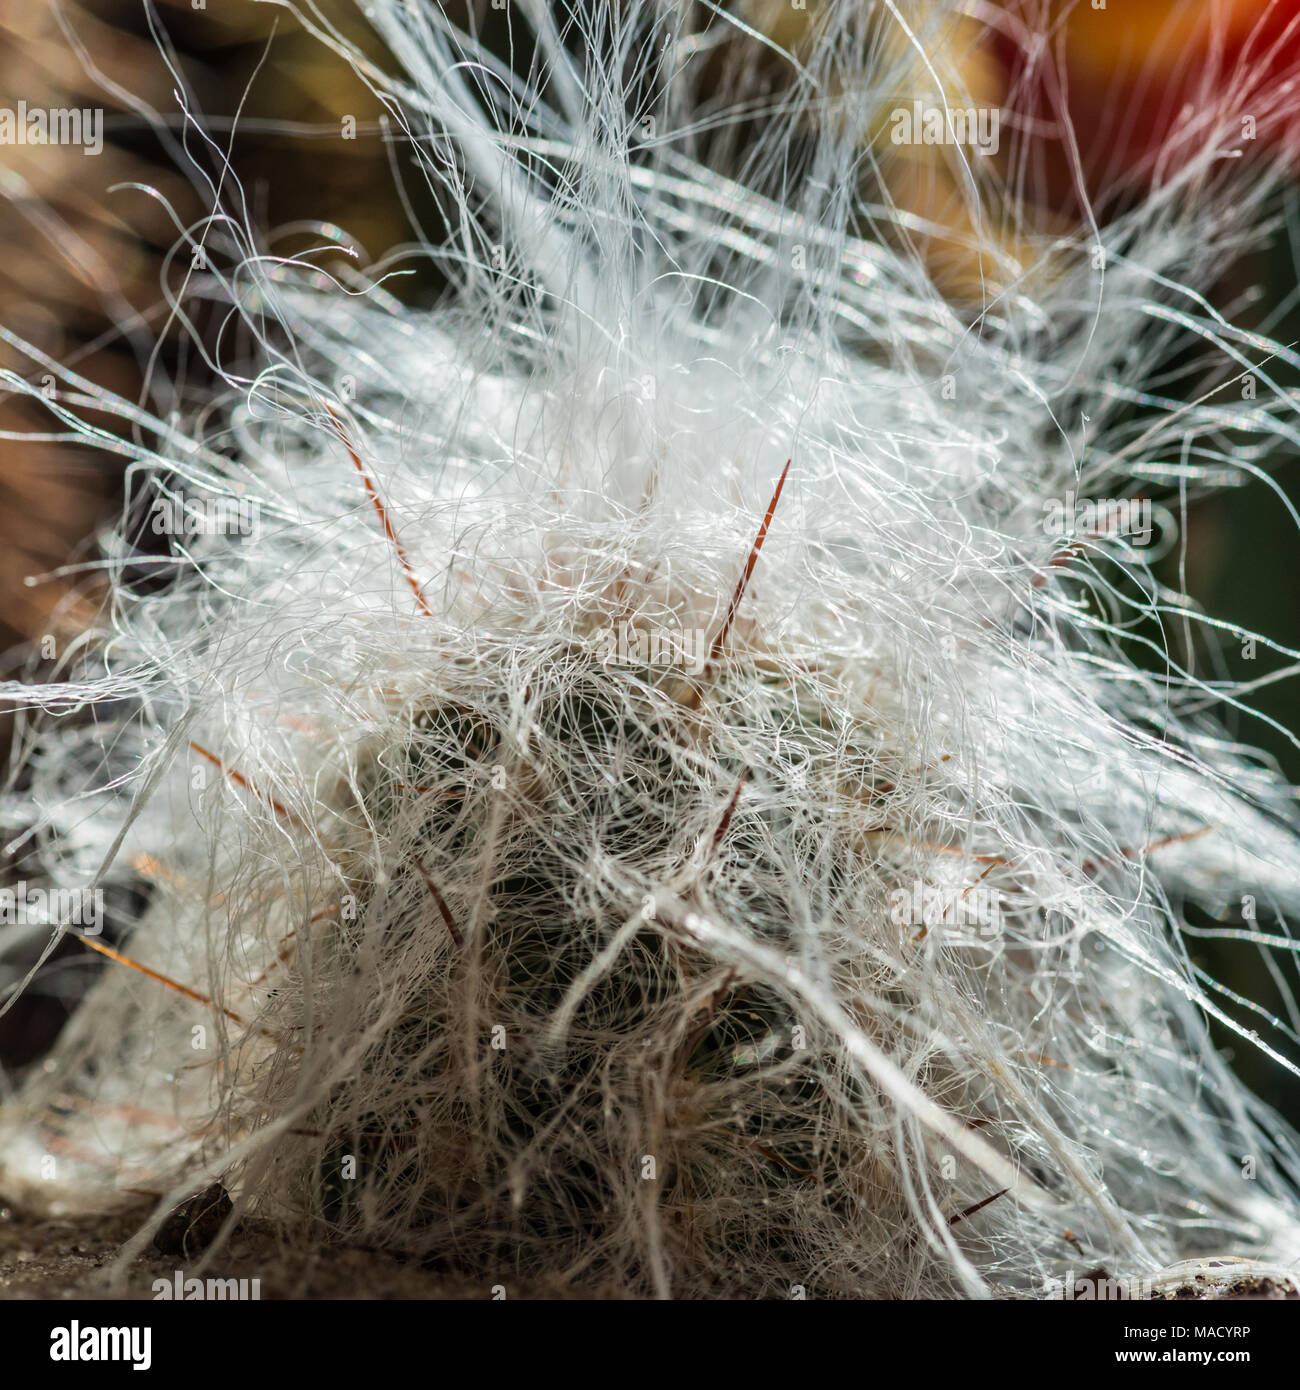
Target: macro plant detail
638,773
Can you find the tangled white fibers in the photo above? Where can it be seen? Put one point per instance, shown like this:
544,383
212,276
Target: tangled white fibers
576,846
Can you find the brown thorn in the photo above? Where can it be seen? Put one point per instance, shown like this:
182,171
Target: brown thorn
1089,865
1172,840
978,1206
1062,557
743,582
725,822
282,955
991,859
1045,1061
442,905
154,975
382,512
979,880
240,780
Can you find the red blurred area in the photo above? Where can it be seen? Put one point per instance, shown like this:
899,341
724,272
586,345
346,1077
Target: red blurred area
1147,85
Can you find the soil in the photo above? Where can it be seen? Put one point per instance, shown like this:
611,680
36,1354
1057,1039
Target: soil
74,1258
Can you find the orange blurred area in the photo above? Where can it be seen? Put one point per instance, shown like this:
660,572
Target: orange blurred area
1166,33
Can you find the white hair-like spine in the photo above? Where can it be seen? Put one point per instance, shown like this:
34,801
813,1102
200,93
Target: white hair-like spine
512,949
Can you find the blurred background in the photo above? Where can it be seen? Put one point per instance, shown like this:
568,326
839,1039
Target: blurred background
86,242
